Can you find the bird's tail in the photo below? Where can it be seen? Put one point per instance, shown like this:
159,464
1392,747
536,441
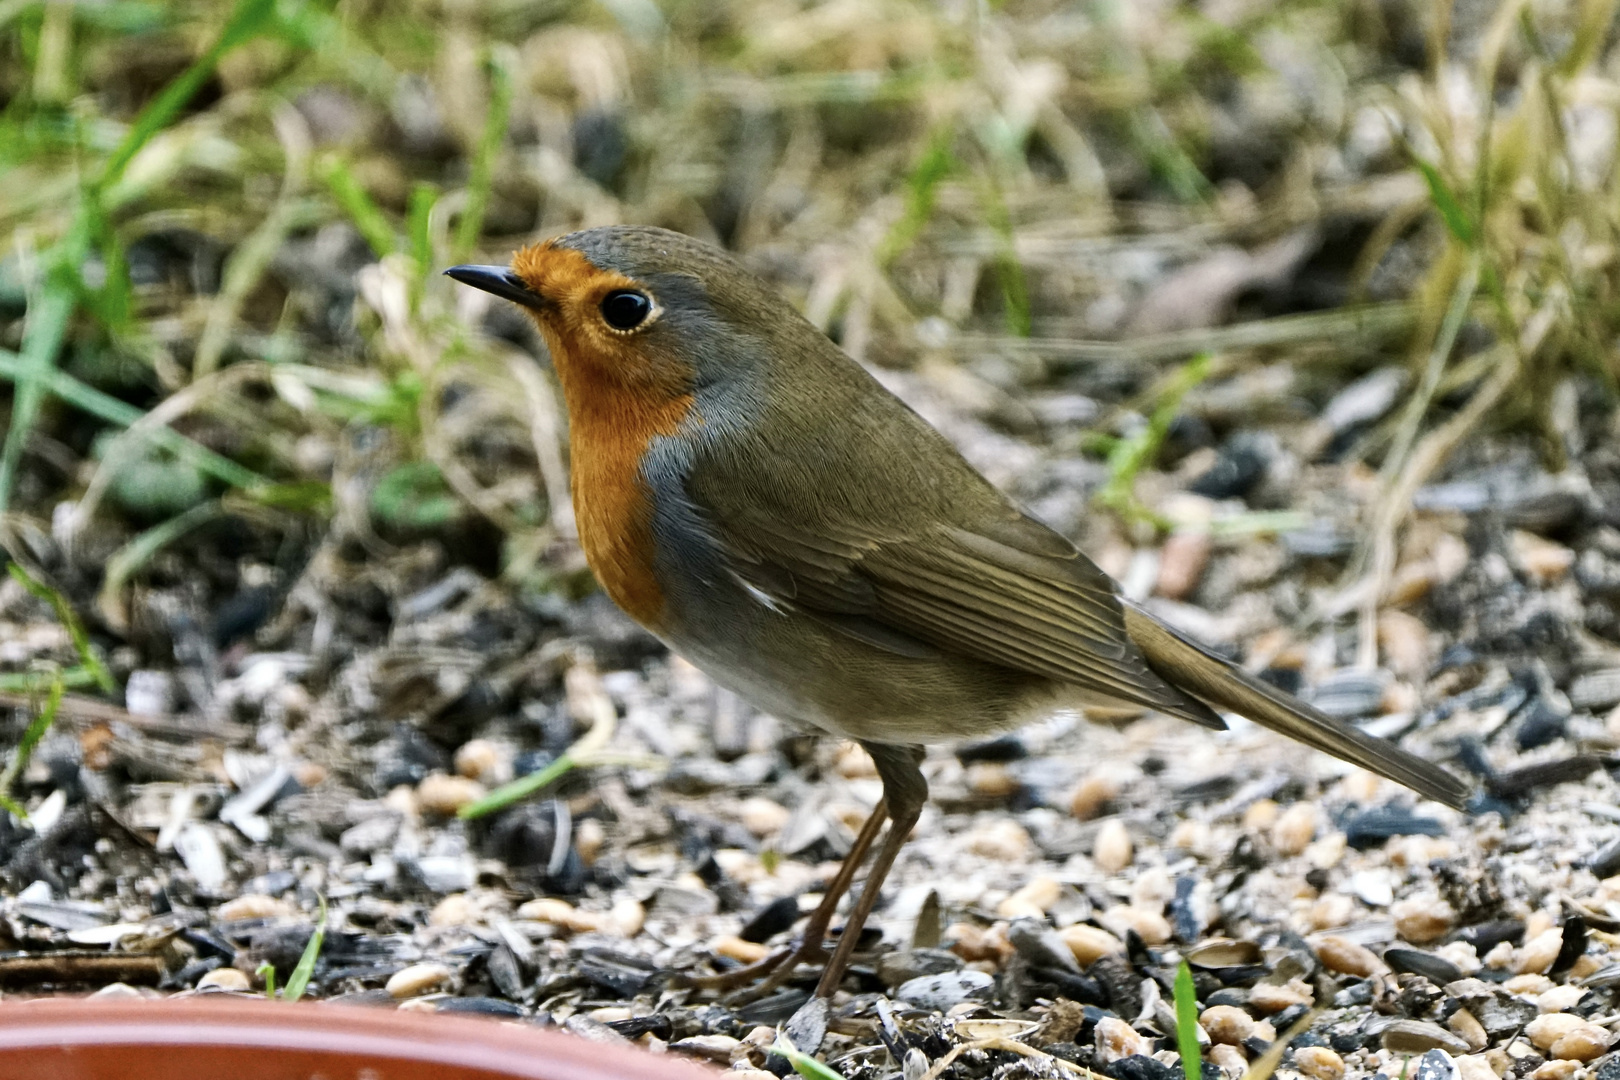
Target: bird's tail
1193,669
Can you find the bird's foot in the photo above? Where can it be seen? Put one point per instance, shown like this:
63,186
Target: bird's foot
731,980
765,975
786,963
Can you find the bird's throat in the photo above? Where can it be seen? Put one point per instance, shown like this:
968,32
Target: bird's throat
610,429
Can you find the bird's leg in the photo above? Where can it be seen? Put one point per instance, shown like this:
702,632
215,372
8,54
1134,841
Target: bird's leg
780,964
904,791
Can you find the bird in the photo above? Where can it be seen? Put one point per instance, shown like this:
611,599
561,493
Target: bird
756,499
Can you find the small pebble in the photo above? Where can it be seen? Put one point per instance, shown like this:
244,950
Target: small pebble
253,906
1539,952
1039,944
894,968
1229,1059
1192,836
428,1003
1330,912
1437,969
761,816
854,763
973,943
1546,1030
1112,850
1293,832
1422,919
1373,887
418,979
1460,953
1227,1024
1005,840
627,916
1120,919
225,978
589,837
1418,1036
991,780
1560,998
1556,1070
1116,1039
716,1048
1261,815
1500,957
1542,559
1466,1027
441,793
1347,958
1095,791
942,992
735,948
118,990
1319,1063
1181,563
1583,1044
1088,943
1586,964
1272,999
1404,639
561,913
1475,1067
454,910
1435,1064
1034,900
482,760
1530,985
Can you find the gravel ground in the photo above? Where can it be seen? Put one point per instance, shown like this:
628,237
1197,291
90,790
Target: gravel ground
320,726
315,674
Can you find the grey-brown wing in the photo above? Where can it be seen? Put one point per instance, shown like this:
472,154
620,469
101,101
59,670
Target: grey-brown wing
1010,592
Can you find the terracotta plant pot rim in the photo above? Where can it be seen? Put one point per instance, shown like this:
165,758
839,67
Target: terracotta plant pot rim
241,1039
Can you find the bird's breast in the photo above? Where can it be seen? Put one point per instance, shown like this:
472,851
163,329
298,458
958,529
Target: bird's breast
608,444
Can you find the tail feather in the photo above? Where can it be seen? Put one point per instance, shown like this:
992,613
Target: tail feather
1193,669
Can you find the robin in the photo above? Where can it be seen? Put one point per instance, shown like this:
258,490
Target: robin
753,497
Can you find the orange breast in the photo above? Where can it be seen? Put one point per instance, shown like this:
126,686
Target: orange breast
607,441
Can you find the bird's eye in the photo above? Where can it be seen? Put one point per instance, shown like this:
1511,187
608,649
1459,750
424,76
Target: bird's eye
626,309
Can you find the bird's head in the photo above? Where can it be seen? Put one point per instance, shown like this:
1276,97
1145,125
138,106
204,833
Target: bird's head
640,311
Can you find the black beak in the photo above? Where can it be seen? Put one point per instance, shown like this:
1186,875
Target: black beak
498,280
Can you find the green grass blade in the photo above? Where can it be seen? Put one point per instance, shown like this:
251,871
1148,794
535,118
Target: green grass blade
106,407
1186,996
518,789
937,163
1009,271
127,560
1129,455
42,339
803,1064
37,728
352,199
64,613
26,682
249,19
298,981
471,224
1458,222
267,972
419,225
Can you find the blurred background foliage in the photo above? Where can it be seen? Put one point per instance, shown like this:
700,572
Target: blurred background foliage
220,297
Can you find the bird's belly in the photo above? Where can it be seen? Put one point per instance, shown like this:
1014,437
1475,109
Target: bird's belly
802,671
